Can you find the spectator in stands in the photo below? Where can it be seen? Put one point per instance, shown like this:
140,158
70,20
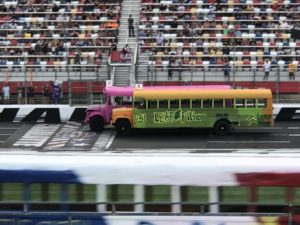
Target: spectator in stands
226,70
78,57
114,47
125,51
56,92
6,93
31,93
142,33
131,26
170,70
20,93
46,94
267,68
159,39
292,70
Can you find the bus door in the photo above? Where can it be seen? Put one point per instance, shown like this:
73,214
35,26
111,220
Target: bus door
139,113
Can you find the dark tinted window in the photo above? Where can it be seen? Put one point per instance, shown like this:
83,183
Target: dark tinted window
240,103
152,104
207,103
218,103
163,104
250,103
196,103
185,103
174,104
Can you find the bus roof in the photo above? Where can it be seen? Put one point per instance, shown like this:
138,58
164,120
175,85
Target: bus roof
205,94
128,91
118,91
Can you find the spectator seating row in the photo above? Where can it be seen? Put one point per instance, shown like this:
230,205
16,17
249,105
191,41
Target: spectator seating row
48,32
209,32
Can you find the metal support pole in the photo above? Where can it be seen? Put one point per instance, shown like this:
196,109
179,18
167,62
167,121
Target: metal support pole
277,83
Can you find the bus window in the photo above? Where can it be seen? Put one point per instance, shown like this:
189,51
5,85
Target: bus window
207,103
261,103
240,103
196,103
163,104
126,100
118,100
218,103
152,104
140,104
185,103
174,104
228,103
250,103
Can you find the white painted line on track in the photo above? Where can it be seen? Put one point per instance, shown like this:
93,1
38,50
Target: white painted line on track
294,135
5,134
293,128
62,137
261,128
37,135
112,138
103,140
9,128
249,142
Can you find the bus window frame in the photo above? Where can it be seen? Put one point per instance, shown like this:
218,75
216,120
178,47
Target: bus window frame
253,105
163,100
188,105
265,103
149,103
210,103
227,105
177,102
243,106
139,101
221,106
197,101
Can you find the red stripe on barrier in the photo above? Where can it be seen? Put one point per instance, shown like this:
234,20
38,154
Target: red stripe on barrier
268,179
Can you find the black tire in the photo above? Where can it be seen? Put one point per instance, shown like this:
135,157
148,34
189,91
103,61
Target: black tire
123,127
222,127
96,123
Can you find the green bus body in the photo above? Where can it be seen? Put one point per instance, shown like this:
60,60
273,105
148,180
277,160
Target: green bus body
220,110
198,117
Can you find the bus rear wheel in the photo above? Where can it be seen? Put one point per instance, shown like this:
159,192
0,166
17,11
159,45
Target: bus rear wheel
222,127
123,127
96,123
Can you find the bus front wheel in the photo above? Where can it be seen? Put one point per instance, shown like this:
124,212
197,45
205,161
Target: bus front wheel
222,127
123,127
97,123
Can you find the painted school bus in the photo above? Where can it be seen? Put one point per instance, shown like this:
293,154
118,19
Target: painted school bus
99,116
218,109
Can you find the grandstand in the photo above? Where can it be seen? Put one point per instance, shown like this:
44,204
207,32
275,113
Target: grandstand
176,40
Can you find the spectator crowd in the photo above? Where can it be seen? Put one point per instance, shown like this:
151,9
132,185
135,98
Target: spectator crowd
214,32
48,32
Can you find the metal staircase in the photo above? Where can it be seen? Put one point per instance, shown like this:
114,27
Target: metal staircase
123,74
